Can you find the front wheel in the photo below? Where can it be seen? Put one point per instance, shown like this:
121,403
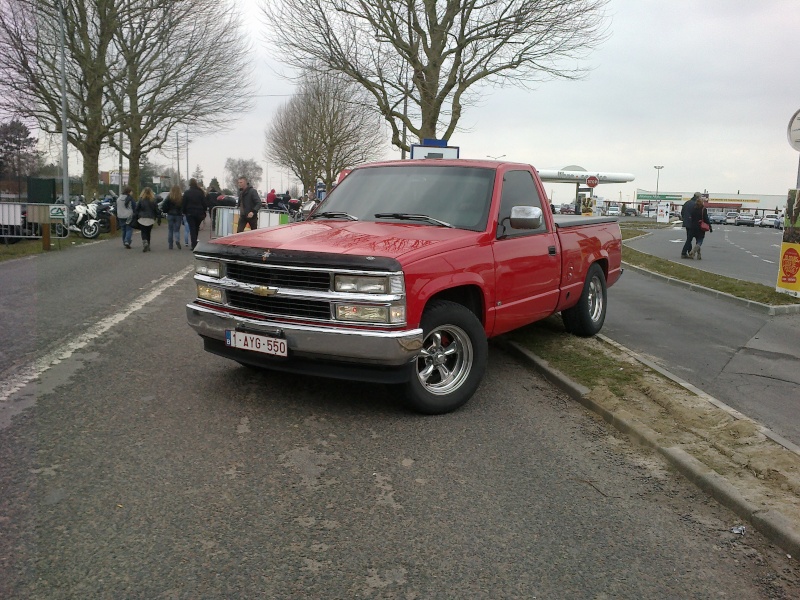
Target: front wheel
90,230
451,364
586,318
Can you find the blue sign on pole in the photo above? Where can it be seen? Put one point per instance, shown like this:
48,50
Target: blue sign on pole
320,190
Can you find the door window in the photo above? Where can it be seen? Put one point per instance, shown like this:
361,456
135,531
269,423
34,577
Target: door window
519,189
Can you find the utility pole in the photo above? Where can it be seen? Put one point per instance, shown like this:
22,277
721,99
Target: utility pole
178,155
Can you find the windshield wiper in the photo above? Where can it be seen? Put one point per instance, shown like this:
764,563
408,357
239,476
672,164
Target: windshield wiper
412,217
335,215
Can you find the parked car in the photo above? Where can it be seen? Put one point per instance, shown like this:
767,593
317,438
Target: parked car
716,218
567,209
770,220
746,219
613,211
631,212
730,218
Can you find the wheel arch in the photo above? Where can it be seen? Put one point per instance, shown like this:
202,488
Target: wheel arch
469,296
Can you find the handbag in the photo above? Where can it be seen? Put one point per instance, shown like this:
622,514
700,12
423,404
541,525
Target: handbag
705,226
133,221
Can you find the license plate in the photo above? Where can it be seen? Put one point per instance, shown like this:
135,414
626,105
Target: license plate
256,343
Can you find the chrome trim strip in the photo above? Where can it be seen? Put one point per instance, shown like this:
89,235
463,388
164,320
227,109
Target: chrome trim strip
227,283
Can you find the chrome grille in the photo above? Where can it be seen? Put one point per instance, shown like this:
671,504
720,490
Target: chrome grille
283,307
286,278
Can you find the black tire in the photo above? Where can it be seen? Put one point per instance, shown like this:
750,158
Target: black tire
450,367
90,231
586,318
105,225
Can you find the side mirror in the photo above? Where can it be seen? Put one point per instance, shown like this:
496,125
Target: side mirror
526,217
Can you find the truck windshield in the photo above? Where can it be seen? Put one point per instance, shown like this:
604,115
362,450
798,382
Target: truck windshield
458,196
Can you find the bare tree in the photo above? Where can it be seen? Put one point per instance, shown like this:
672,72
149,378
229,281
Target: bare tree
242,167
432,54
327,126
169,59
30,83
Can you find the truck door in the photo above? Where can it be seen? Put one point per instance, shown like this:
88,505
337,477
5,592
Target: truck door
527,265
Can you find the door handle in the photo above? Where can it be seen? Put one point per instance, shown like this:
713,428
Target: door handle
551,250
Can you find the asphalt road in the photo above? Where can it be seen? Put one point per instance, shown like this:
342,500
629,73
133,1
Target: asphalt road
744,358
747,253
139,466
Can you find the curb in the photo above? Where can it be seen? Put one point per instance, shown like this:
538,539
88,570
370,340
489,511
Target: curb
772,524
768,309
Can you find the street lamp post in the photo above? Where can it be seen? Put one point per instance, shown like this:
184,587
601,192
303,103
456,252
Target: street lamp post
658,175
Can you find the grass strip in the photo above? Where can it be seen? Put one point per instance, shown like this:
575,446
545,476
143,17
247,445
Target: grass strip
735,287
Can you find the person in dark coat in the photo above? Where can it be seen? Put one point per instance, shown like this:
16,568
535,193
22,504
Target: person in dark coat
698,216
686,215
173,208
146,212
194,207
249,203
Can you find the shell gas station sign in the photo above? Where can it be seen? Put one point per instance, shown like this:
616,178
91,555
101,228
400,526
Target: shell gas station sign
789,264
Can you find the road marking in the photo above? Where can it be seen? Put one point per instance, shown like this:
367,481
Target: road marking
41,365
772,262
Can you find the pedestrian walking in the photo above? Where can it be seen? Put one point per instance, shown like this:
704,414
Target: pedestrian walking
146,211
173,208
185,232
686,215
125,206
249,203
700,224
194,209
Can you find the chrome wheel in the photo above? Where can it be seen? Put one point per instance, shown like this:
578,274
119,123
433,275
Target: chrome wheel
445,360
595,299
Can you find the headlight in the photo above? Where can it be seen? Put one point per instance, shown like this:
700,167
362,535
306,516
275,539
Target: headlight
369,284
212,268
206,292
370,314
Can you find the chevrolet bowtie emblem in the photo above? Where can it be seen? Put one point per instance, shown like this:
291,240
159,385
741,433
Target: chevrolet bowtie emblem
263,290
265,256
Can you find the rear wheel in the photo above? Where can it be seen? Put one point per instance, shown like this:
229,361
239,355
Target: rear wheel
586,318
451,364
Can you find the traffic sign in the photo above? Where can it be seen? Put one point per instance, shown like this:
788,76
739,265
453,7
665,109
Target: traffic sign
793,131
592,181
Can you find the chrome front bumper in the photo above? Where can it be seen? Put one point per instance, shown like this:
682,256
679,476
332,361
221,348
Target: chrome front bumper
385,348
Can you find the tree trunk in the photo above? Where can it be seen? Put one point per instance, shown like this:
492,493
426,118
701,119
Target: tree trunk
134,167
91,170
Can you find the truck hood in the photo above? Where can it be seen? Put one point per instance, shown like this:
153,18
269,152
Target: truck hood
360,238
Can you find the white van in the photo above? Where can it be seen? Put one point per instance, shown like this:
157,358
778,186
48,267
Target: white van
613,211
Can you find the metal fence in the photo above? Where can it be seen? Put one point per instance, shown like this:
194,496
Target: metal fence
23,220
225,219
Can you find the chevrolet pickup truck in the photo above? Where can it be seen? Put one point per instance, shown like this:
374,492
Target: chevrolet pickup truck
402,274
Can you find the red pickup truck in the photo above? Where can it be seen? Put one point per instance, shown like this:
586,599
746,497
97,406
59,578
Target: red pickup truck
402,274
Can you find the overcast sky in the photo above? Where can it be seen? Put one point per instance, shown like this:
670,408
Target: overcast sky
705,89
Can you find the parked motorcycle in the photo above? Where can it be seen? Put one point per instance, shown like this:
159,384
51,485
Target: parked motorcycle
82,221
102,211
